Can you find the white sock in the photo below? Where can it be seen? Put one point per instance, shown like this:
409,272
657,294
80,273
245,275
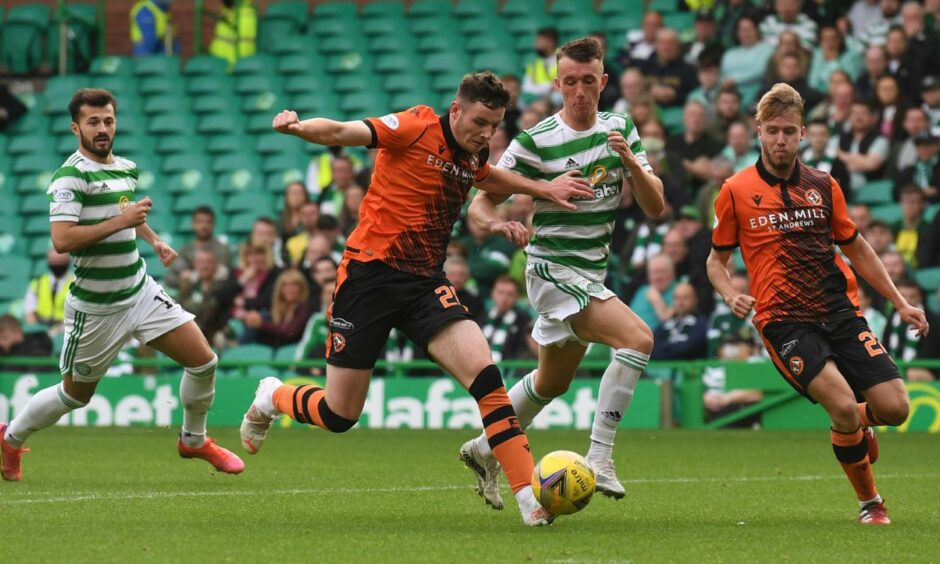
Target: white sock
613,398
197,390
526,500
525,402
42,410
876,499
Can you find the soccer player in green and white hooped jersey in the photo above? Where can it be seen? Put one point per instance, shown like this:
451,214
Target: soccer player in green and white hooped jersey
567,260
94,217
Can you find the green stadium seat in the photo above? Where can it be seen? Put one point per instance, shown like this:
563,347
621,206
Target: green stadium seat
34,182
107,65
439,42
447,82
682,21
620,24
372,28
571,7
436,26
390,43
240,224
17,267
210,84
304,83
364,104
35,203
299,64
235,161
264,102
202,65
173,124
254,84
273,142
170,102
257,64
672,119
406,99
928,278
11,290
383,9
188,180
119,85
37,224
621,8
156,65
395,63
889,213
239,180
31,121
284,45
530,24
185,142
228,143
343,44
284,168
313,104
875,192
246,201
161,84
500,62
82,28
424,8
471,8
66,145
356,83
213,103
663,6
489,42
260,123
38,142
187,202
25,164
328,29
282,19
440,63
405,82
523,8
219,123
21,44
174,164
336,10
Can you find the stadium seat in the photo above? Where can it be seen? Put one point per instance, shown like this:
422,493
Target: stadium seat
440,63
363,104
171,102
405,82
621,8
530,24
447,82
266,102
35,203
875,192
39,246
213,103
489,25
336,10
439,42
183,142
33,182
239,180
928,278
228,143
107,65
281,171
38,224
524,8
889,213
219,123
21,45
356,83
471,8
314,104
240,224
394,63
248,201
303,83
390,43
567,8
383,26
619,24
161,84
664,6
489,42
38,142
406,99
383,9
173,124
11,290
256,64
578,25
186,161
210,84
65,145
16,266
236,161
186,203
254,84
499,62
35,163
298,65
672,119
282,19
156,65
82,33
202,65
284,45
436,26
277,143
328,29
188,180
425,8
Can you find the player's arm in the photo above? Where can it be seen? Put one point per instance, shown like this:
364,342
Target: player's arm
647,188
720,276
164,251
560,190
483,213
870,267
324,131
69,236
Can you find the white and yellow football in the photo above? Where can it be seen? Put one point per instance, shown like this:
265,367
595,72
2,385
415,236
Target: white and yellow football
563,482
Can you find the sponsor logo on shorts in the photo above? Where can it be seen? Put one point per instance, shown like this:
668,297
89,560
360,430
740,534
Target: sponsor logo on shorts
796,365
338,341
391,120
63,195
788,347
813,197
341,324
82,369
595,288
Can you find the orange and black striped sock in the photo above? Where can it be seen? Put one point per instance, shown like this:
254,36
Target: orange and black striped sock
503,432
851,449
307,405
868,418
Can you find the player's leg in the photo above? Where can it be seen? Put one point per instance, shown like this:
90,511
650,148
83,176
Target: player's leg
614,324
460,348
92,342
833,392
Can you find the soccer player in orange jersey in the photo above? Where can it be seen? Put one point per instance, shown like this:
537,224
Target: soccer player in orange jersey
787,218
391,274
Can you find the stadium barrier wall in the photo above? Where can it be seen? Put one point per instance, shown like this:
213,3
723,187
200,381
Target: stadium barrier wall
436,402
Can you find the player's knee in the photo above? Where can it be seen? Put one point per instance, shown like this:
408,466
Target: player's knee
845,415
643,339
551,388
332,421
206,370
895,412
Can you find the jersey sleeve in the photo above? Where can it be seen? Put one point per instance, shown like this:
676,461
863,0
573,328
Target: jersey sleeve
398,130
843,228
521,157
725,230
483,172
632,136
66,193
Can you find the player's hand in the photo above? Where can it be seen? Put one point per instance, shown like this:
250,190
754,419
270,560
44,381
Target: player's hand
136,213
566,187
512,230
915,318
618,144
287,122
165,252
741,305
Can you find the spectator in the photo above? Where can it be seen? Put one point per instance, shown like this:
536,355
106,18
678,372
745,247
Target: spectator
903,64
863,150
897,270
912,226
861,216
925,172
489,256
295,196
789,71
727,112
821,155
458,272
653,301
264,233
202,222
251,286
320,169
891,108
718,400
612,69
683,335
688,266
721,170
740,152
319,247
312,345
708,75
513,111
643,111
837,108
930,93
328,227
290,310
236,31
14,343
704,39
789,44
728,15
152,27
641,43
879,236
296,246
876,320
928,252
924,44
876,32
862,14
745,64
693,147
670,78
319,273
876,66
499,142
506,326
632,89
787,16
198,289
915,125
724,325
540,72
45,296
901,340
332,197
349,216
832,54
11,108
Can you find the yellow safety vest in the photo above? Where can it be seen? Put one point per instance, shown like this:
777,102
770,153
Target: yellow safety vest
161,20
236,33
539,73
49,308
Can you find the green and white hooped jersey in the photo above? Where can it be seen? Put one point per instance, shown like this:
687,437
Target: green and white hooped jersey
577,239
109,273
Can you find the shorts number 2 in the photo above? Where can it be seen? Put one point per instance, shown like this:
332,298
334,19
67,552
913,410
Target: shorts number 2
448,296
872,345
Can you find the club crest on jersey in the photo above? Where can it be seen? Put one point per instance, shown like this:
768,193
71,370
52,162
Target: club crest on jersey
124,203
796,365
598,174
338,341
813,196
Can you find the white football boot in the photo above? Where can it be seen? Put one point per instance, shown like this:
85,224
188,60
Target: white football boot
260,415
606,476
486,470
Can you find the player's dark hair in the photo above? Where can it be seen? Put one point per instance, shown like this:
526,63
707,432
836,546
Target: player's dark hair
548,32
730,89
94,97
582,50
204,210
484,87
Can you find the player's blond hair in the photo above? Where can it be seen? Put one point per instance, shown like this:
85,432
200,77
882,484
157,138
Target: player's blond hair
781,99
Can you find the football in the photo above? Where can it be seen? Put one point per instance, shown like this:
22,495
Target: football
563,482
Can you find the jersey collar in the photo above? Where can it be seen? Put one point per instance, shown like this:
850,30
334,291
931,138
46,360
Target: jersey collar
772,180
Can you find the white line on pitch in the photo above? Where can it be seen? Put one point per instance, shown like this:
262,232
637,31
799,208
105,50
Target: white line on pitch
416,489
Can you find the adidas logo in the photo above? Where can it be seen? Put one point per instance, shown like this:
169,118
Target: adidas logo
615,415
571,164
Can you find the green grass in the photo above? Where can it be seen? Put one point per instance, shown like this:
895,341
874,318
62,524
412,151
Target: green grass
122,495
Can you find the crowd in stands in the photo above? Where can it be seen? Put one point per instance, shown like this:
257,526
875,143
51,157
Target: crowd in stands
867,70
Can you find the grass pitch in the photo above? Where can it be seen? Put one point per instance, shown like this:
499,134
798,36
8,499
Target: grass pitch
123,495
